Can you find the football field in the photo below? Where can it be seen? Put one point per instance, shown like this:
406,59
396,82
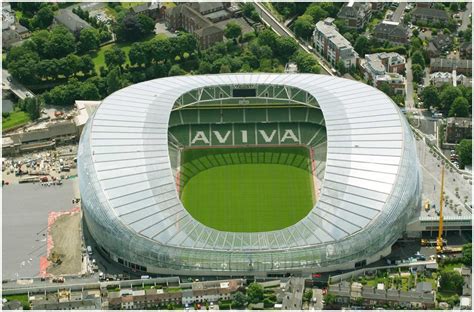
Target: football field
246,197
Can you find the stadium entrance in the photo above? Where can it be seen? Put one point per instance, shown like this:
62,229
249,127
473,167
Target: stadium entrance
247,158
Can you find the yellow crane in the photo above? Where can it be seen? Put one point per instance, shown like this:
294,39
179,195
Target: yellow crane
439,242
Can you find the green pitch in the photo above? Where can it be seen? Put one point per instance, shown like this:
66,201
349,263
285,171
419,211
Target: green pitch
249,197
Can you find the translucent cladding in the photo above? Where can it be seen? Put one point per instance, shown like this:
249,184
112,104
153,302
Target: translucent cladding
370,187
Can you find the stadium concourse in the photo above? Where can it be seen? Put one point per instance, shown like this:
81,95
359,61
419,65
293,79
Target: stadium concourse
321,174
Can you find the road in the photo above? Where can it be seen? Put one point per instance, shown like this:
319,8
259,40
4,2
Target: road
281,30
17,88
465,19
399,12
409,102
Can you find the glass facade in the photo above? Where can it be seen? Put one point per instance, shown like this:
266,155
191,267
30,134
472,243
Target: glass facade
370,190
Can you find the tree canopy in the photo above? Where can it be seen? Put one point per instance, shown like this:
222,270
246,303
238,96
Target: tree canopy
464,150
233,30
255,293
451,281
459,108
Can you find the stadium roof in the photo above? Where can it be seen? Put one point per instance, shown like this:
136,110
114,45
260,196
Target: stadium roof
365,143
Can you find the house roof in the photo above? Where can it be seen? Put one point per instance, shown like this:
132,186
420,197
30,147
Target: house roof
209,30
71,21
450,63
393,29
430,12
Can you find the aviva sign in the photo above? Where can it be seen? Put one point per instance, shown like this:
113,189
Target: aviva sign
247,134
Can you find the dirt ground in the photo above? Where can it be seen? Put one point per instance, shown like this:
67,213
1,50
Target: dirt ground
66,235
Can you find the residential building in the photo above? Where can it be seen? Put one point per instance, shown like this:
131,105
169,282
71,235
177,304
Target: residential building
422,296
458,128
393,32
332,45
9,38
440,78
463,66
8,16
291,68
150,9
465,49
214,11
212,291
429,15
442,42
356,14
71,21
186,17
67,300
378,5
49,136
385,68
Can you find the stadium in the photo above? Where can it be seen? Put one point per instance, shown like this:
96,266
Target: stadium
247,175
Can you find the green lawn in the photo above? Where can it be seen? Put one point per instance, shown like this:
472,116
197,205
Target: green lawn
16,118
128,5
248,197
22,298
99,57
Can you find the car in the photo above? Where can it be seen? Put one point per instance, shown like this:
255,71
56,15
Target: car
28,94
9,78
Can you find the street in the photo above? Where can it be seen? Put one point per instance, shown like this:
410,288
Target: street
409,102
399,12
282,30
17,88
25,221
465,16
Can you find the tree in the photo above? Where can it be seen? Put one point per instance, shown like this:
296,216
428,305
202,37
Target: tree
114,80
307,63
89,40
88,91
176,70
61,42
285,47
316,12
362,45
416,32
255,293
233,31
204,67
240,300
267,38
329,298
114,57
418,73
467,254
137,54
464,150
417,58
32,106
86,64
451,281
430,96
303,26
43,18
385,88
340,67
247,9
308,295
132,27
459,108
447,97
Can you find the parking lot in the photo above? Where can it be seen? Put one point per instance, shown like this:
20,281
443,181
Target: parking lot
457,187
24,225
58,164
